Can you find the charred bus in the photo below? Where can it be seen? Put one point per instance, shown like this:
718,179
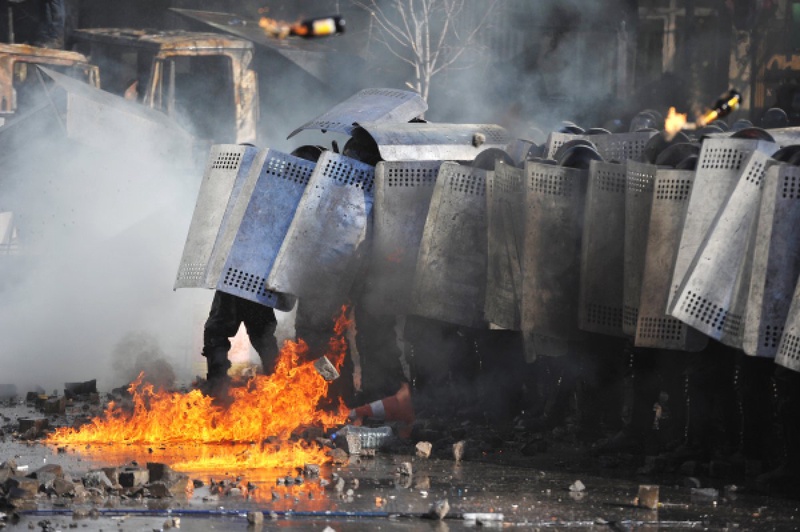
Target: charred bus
202,80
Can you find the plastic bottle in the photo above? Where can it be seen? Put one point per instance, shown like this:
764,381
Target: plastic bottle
370,437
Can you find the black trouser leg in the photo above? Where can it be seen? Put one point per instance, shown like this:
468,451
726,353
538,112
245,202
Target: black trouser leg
379,354
222,324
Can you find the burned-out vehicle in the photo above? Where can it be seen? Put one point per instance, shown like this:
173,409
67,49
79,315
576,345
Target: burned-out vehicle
20,85
202,80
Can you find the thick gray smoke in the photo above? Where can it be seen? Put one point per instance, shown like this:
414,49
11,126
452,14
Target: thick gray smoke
102,230
100,236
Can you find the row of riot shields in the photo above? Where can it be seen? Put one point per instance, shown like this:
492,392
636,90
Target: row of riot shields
666,254
672,255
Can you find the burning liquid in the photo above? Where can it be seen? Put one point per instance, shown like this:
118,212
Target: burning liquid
674,123
264,413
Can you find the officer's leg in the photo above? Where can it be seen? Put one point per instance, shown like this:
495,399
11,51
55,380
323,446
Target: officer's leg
222,324
261,325
379,354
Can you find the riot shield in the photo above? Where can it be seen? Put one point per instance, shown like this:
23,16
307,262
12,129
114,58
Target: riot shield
368,106
622,147
505,215
425,141
403,193
273,201
555,140
713,294
450,279
776,261
718,169
789,346
554,207
227,168
602,247
655,328
639,179
318,258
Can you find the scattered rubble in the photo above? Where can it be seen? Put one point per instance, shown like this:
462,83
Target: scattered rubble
424,449
439,509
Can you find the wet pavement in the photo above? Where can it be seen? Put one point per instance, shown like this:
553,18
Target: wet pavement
562,487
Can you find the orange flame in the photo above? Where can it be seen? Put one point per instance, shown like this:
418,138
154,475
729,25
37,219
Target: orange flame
275,28
266,407
674,123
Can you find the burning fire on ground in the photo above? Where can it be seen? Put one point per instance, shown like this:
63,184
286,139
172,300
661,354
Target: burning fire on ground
263,413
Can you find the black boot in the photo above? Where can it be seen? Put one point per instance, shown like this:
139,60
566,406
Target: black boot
217,379
784,477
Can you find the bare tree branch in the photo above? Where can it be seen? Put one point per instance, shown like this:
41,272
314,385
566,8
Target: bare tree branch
429,35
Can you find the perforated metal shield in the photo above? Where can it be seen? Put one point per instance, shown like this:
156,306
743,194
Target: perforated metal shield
276,193
622,147
369,106
425,141
713,294
639,180
554,207
226,170
789,347
450,280
555,140
718,168
505,214
518,149
403,192
602,246
776,261
672,189
317,259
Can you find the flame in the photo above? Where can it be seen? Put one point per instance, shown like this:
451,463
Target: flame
266,409
674,123
275,28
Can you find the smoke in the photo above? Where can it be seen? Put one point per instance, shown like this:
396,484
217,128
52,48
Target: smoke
100,236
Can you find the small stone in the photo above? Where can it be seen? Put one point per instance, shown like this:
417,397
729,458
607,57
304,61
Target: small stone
97,479
404,469
255,518
311,470
439,509
339,485
338,456
577,486
648,496
458,450
132,478
424,449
